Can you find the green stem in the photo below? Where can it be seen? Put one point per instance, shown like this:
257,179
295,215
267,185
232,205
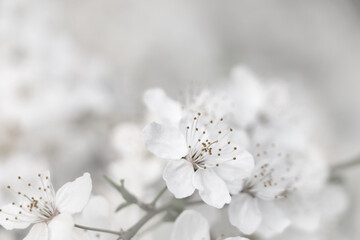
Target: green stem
97,230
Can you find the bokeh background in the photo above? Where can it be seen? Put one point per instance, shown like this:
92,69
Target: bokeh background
71,71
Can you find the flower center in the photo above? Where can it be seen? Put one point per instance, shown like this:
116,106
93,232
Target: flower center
272,177
208,143
37,202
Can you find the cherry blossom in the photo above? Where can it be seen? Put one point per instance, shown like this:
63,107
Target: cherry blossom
203,154
48,211
255,207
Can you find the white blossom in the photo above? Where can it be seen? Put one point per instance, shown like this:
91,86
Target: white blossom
254,208
50,212
204,154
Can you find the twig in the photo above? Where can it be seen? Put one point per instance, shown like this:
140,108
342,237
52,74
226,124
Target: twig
128,234
347,164
97,229
153,203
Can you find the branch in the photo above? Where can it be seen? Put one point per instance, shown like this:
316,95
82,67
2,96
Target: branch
153,203
131,232
347,164
128,196
97,229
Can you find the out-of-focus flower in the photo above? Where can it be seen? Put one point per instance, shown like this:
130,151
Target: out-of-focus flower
191,225
133,160
204,154
162,107
246,96
95,214
254,208
50,212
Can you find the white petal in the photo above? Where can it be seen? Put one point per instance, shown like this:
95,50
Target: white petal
236,238
159,103
233,171
38,232
9,212
73,196
61,227
190,225
178,175
244,213
164,141
212,188
303,212
274,220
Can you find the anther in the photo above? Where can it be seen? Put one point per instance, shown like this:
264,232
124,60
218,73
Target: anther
234,158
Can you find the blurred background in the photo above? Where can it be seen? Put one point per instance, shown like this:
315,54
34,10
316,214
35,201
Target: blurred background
71,71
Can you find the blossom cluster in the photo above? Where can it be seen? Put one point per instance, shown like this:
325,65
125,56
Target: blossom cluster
238,162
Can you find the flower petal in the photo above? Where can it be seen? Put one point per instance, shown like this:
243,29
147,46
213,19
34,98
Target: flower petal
190,225
159,103
38,232
164,141
244,213
7,220
233,171
274,220
73,196
212,188
178,175
61,227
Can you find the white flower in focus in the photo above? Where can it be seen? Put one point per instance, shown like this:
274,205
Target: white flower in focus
191,225
255,208
50,212
204,154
